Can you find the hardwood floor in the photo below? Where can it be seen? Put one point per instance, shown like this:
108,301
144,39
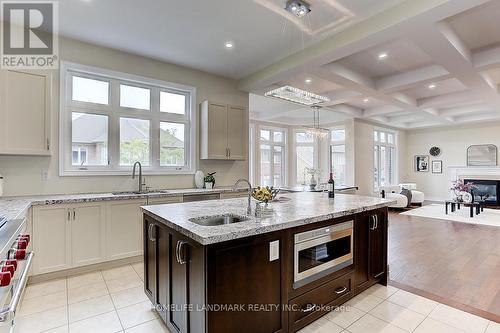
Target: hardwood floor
453,263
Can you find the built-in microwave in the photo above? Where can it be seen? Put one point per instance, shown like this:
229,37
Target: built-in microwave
322,251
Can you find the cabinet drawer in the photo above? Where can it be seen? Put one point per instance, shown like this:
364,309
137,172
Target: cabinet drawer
313,304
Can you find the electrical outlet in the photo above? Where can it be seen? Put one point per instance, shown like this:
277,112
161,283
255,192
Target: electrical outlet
274,250
45,175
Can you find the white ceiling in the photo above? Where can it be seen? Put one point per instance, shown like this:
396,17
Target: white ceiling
453,45
193,32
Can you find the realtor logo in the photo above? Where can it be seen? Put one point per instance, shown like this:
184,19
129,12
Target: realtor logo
29,35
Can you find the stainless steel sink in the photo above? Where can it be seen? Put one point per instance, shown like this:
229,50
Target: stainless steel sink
218,220
137,192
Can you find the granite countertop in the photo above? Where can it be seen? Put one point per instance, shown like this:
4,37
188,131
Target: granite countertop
292,210
17,207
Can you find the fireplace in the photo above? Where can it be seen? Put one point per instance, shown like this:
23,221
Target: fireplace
486,188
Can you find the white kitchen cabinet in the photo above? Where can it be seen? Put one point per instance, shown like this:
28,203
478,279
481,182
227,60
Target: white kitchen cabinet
124,228
66,236
223,132
88,234
25,104
51,238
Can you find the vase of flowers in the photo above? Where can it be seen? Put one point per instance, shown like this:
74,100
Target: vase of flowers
459,187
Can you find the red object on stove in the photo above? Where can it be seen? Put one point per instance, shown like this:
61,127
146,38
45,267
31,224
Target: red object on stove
8,268
10,262
4,279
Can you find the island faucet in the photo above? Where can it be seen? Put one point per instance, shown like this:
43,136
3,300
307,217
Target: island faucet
141,182
242,180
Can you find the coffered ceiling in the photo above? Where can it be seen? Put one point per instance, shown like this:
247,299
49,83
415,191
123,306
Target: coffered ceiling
442,67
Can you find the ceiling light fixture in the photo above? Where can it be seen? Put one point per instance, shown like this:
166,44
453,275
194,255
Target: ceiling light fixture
297,8
382,55
315,130
432,86
308,81
366,100
296,95
228,45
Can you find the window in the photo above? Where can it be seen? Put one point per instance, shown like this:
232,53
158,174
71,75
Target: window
272,157
110,120
337,155
384,158
305,156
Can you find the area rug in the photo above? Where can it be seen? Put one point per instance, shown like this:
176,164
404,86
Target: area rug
489,217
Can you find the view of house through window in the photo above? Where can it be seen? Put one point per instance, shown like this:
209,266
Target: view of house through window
384,158
114,121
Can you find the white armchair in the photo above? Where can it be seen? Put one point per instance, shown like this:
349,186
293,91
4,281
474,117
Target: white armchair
417,197
394,193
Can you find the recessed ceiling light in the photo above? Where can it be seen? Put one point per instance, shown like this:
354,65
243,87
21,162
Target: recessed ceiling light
308,80
366,100
382,55
432,86
228,45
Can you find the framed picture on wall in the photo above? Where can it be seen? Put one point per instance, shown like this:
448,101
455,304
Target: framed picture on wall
421,163
437,166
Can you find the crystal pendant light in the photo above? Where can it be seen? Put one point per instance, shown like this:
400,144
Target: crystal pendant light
316,131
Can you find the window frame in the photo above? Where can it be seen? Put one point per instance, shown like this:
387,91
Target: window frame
335,143
386,144
316,153
271,143
114,112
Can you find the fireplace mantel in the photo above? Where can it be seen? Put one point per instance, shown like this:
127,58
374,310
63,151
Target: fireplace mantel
474,172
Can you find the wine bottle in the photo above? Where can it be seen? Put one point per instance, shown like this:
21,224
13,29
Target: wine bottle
331,186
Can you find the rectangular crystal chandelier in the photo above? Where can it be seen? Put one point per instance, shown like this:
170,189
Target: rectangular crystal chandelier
297,95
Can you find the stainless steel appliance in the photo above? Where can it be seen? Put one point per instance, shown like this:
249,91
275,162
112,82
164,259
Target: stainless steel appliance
15,262
322,251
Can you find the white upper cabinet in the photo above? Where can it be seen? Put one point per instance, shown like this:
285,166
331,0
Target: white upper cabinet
223,132
25,102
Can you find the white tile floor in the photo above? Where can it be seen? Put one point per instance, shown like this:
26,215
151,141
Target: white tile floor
113,301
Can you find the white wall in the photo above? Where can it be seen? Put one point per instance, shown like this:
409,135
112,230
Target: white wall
23,174
453,142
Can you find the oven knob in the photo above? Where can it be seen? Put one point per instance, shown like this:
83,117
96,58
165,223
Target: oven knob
4,279
20,244
9,262
16,254
8,269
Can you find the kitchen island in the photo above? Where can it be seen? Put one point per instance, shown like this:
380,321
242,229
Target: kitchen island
275,272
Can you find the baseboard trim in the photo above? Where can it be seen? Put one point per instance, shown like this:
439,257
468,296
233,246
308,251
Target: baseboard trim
85,269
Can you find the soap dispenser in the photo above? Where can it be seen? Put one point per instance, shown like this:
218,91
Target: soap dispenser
1,185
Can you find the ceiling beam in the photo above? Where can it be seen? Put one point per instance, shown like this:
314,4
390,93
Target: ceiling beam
486,59
402,81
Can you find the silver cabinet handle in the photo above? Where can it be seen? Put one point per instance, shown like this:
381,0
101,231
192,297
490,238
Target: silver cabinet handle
180,254
69,215
376,221
229,151
373,225
18,292
340,290
309,307
151,232
74,214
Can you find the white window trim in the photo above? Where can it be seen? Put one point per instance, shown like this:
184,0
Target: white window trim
331,143
113,168
316,146
271,143
386,144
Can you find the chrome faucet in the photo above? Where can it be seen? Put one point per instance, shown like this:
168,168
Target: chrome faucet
242,180
141,180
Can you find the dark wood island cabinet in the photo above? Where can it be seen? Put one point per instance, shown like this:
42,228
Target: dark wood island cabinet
243,285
